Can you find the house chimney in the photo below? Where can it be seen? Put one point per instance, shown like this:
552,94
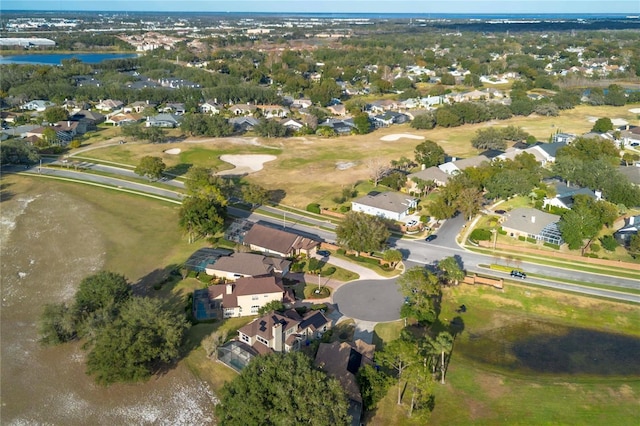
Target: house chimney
69,124
276,331
229,289
533,219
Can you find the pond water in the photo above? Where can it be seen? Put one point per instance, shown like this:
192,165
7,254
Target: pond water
538,347
57,58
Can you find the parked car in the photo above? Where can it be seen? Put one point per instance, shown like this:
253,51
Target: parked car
412,223
518,274
431,238
500,211
323,253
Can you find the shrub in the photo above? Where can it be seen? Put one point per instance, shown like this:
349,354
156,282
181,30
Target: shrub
595,247
425,218
553,246
531,240
521,238
481,234
313,208
609,243
341,251
502,231
344,209
318,306
301,310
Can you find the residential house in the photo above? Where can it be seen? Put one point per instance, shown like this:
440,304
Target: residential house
88,120
456,166
243,109
23,131
563,137
164,120
65,132
211,107
243,124
138,107
338,110
176,108
531,223
271,333
122,119
109,105
565,195
37,105
389,118
544,153
301,103
243,297
342,360
389,205
341,127
178,83
630,135
274,111
292,124
240,265
434,174
313,325
382,105
631,227
275,241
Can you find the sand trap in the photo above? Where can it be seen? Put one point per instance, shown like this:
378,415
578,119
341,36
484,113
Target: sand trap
614,121
395,137
635,110
245,163
344,165
172,151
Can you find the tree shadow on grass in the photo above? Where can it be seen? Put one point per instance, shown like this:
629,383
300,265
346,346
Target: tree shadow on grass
158,279
178,170
5,194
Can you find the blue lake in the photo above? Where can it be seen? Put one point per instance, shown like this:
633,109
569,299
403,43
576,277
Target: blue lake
57,58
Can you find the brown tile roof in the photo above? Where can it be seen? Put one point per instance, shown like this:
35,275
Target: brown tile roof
277,240
263,326
333,358
243,287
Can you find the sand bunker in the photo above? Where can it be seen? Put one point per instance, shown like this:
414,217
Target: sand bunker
172,151
395,137
614,121
635,110
344,165
245,163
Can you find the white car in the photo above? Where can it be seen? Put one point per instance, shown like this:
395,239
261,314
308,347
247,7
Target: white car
412,223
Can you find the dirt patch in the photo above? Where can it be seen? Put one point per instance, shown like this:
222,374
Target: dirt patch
245,164
344,165
397,136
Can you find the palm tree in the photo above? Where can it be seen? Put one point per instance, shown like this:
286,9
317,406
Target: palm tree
441,345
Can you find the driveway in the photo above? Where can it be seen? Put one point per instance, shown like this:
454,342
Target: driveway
369,300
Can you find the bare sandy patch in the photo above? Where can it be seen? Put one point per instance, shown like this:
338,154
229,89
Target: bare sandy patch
344,165
245,164
173,151
398,136
635,110
614,121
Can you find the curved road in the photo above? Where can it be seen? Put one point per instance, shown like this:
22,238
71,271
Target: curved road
414,251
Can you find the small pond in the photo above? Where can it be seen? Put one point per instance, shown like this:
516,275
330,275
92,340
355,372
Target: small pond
532,347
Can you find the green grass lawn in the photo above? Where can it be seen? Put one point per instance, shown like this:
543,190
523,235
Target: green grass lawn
478,392
307,167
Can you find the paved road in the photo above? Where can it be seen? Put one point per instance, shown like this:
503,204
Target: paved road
370,300
414,251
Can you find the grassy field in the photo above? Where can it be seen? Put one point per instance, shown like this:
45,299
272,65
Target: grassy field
307,167
488,393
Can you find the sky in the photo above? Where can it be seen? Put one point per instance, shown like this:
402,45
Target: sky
336,6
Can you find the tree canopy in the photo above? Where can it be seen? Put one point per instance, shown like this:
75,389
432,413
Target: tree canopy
362,232
429,153
130,348
282,389
422,291
150,167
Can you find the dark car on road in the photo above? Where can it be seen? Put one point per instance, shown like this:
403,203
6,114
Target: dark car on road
431,238
518,274
323,253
